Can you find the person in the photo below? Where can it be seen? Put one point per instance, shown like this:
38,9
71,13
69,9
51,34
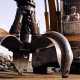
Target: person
24,22
74,15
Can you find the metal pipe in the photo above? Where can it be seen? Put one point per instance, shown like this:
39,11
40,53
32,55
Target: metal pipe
67,54
53,16
46,16
57,5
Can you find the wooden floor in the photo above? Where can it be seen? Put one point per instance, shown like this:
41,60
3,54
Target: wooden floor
31,76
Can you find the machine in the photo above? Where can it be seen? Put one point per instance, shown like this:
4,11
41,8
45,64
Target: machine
24,38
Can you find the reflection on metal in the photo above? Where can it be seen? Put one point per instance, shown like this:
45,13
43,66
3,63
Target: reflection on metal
57,5
46,16
67,55
53,16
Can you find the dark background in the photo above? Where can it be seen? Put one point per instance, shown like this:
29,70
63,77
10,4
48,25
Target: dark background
68,3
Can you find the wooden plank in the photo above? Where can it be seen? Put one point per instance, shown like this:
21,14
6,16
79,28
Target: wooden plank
73,37
30,76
